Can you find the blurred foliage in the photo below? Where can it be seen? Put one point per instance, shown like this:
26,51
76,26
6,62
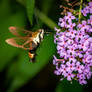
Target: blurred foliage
65,86
15,69
30,4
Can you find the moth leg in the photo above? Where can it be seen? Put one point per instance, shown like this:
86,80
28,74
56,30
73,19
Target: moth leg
31,46
26,43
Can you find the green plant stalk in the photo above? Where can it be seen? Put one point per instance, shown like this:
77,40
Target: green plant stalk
80,10
50,23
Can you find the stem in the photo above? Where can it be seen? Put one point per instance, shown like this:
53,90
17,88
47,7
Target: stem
80,10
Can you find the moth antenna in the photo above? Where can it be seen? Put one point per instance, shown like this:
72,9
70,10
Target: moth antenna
47,32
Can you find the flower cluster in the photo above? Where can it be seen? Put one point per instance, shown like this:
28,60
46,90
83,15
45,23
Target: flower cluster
74,47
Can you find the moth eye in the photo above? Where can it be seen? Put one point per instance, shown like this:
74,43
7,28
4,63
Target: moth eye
12,28
41,35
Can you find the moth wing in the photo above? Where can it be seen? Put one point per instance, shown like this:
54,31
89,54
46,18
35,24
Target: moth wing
12,42
20,42
20,32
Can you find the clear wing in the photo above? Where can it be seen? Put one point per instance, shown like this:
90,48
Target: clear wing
23,42
20,32
23,39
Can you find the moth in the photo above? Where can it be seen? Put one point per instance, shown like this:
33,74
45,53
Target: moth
26,39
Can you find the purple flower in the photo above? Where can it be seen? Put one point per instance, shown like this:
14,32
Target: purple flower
87,59
90,3
79,67
71,25
74,47
57,61
63,70
63,53
83,26
69,17
69,41
71,33
82,81
70,66
90,20
71,50
54,60
90,39
79,54
87,71
85,11
72,58
70,75
90,30
79,36
57,30
84,44
90,7
62,22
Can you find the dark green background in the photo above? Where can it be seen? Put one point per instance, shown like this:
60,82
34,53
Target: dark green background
17,74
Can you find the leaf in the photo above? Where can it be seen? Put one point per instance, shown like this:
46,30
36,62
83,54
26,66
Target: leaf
30,4
46,20
46,7
4,9
47,49
26,70
21,2
65,86
88,0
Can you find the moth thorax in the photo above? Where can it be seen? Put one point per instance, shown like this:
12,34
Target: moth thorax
39,37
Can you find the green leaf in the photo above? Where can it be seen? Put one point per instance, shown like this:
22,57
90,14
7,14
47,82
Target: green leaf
21,2
46,7
4,9
30,4
47,49
46,20
65,86
26,70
